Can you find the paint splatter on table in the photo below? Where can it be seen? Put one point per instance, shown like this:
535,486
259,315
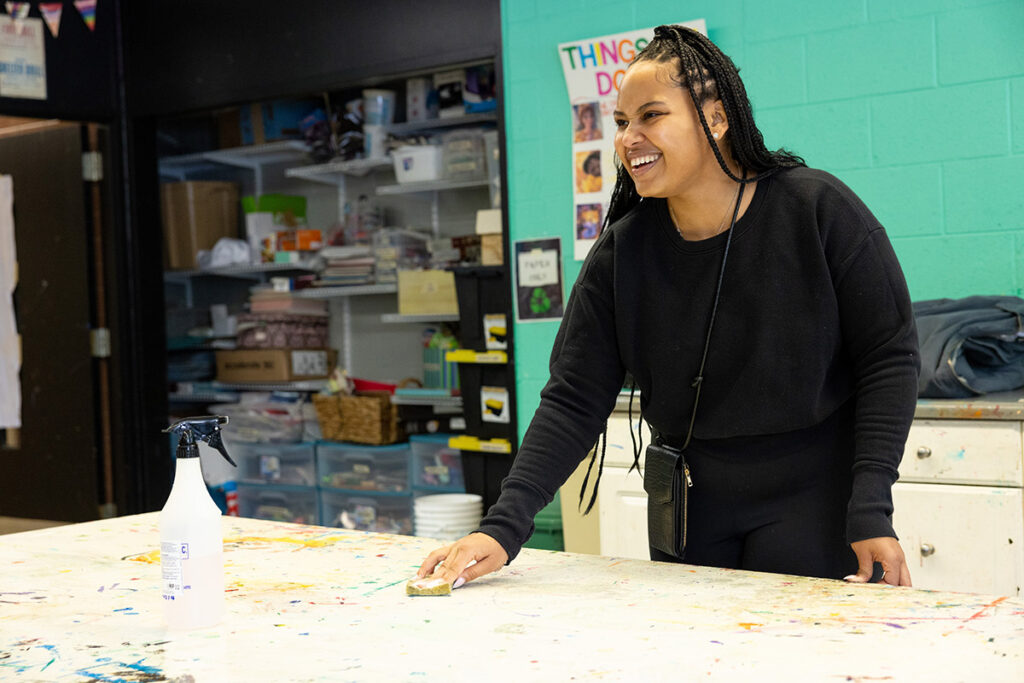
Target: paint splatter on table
82,602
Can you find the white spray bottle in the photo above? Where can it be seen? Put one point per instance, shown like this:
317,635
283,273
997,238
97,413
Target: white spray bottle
191,543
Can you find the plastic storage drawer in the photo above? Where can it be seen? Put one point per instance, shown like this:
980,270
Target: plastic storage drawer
278,503
435,466
383,512
259,463
364,468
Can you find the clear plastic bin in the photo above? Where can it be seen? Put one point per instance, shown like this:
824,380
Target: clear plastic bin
397,249
278,503
275,463
364,468
381,513
435,466
464,155
263,421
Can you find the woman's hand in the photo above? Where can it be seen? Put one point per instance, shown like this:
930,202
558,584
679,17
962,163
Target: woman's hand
455,563
886,551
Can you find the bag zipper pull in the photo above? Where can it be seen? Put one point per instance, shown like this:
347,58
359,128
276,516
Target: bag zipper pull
686,473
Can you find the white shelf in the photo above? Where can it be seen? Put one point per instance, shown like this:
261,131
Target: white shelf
431,186
435,401
301,385
333,171
407,127
422,318
344,290
249,272
204,397
251,156
258,155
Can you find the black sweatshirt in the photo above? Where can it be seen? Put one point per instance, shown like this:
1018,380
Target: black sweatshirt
814,311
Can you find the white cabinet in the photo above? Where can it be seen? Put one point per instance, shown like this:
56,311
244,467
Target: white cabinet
959,505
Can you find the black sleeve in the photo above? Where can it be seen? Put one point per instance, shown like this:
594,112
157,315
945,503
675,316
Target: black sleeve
880,339
586,377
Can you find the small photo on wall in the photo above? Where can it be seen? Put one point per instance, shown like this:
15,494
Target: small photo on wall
588,221
588,171
586,122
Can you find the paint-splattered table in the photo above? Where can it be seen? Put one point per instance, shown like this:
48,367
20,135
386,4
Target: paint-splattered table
82,602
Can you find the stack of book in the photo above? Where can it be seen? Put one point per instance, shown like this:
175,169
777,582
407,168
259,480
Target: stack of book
269,301
347,265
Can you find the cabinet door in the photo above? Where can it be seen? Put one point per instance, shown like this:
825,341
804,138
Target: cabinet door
962,538
623,514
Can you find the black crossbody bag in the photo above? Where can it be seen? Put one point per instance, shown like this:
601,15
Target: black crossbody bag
667,479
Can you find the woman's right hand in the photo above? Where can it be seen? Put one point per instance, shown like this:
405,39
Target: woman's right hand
468,558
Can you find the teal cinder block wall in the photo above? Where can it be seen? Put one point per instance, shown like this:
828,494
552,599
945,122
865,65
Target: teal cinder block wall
918,105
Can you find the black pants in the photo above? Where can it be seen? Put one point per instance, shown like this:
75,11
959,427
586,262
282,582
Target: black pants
772,503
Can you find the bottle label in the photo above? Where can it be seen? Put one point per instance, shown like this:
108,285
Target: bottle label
172,554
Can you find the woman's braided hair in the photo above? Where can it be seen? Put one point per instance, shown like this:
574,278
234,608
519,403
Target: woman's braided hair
708,74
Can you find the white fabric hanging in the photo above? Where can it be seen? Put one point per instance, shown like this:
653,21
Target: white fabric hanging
10,352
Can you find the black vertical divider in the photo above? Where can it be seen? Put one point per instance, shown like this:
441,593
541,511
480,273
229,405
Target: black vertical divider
484,290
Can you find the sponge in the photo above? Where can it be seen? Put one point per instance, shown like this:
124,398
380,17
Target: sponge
430,585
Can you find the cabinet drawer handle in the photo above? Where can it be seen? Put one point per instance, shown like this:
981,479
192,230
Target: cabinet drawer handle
924,452
927,549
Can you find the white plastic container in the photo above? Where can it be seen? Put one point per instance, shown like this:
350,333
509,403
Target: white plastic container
418,163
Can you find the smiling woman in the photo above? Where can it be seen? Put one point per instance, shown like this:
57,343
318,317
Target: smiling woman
736,280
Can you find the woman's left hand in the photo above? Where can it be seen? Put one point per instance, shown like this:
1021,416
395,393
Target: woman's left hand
886,551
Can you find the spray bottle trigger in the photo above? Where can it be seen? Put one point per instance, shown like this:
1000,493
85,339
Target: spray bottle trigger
216,442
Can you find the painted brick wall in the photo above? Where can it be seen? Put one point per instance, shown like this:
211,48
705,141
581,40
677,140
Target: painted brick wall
918,105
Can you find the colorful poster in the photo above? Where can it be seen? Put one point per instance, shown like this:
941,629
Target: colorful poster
22,58
593,70
538,264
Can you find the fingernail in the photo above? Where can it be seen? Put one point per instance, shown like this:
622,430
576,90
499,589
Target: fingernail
458,582
851,578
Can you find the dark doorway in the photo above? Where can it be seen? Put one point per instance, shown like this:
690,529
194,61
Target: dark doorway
52,469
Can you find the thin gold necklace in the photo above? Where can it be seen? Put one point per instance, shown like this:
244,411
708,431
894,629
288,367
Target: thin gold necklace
721,225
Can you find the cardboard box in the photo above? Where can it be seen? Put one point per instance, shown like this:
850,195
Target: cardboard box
195,215
491,250
274,365
426,292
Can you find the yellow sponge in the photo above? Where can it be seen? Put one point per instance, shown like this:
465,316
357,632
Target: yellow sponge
428,586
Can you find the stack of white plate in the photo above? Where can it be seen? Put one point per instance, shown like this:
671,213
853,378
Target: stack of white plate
447,515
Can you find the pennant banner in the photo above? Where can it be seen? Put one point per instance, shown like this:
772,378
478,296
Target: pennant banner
17,10
51,12
87,8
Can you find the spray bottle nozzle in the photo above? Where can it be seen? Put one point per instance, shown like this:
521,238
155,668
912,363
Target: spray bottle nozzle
205,428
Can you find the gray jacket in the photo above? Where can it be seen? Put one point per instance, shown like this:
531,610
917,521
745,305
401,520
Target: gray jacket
970,346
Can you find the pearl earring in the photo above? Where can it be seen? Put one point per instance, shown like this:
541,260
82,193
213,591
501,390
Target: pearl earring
714,135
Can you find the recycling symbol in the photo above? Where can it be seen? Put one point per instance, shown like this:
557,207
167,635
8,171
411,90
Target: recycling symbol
539,301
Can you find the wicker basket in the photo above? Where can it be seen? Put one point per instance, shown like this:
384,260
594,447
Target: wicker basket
368,417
